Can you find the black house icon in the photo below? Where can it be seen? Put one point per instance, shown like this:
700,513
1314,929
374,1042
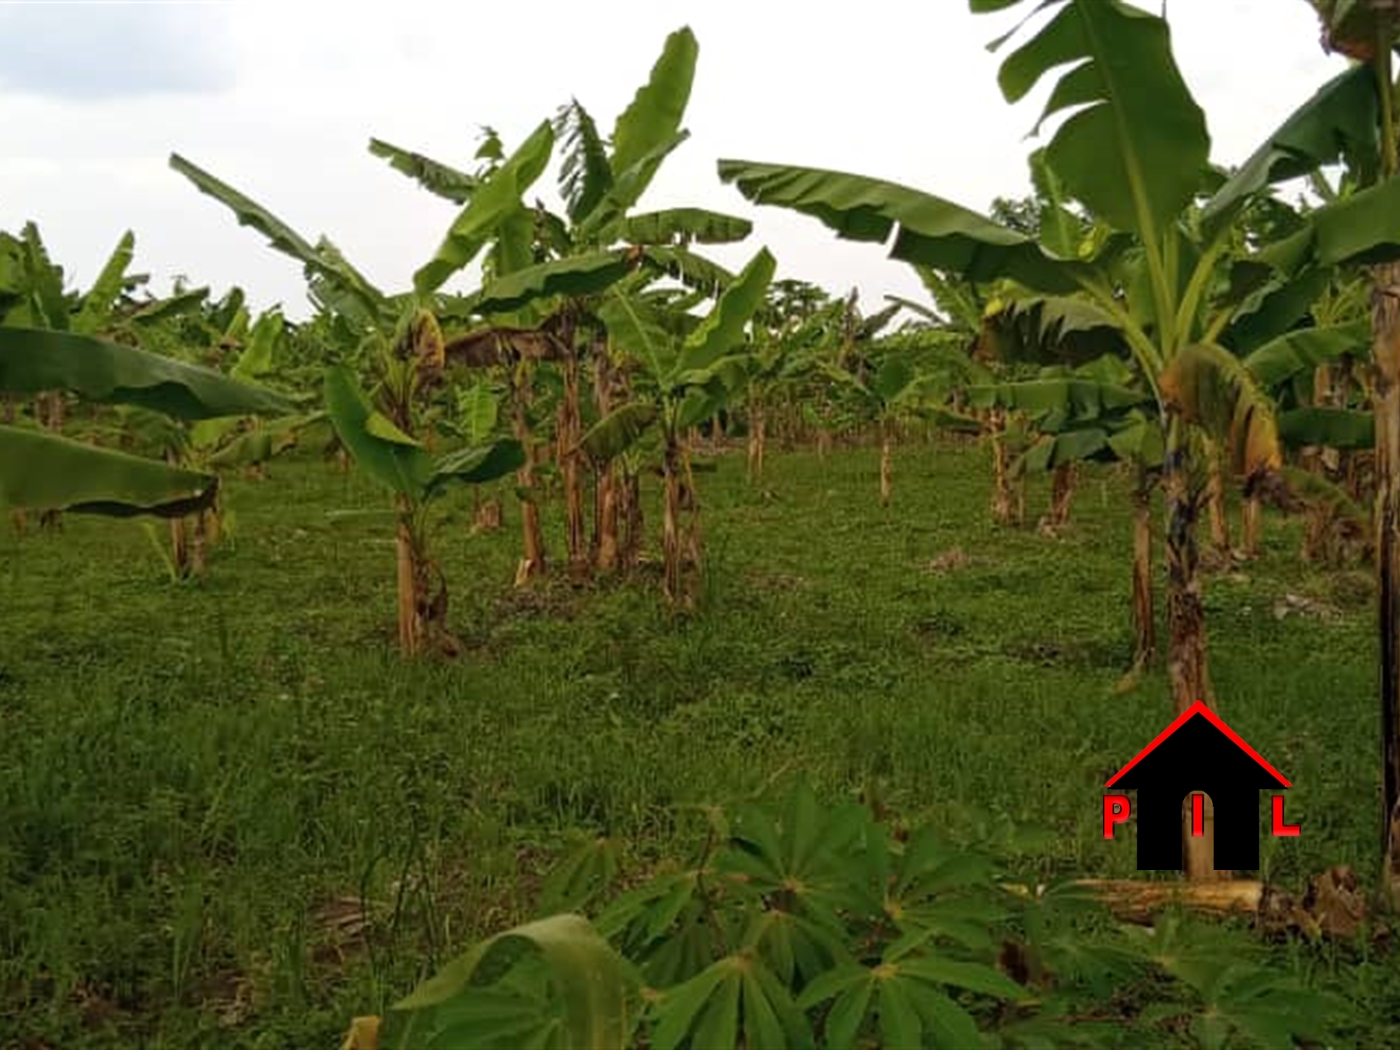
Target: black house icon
1198,752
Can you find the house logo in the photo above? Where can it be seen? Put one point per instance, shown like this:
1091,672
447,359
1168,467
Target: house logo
1196,755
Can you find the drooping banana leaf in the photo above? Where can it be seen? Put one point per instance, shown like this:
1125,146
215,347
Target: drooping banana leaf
434,176
1211,387
693,271
1281,359
1340,120
1069,446
42,471
932,231
1342,428
153,313
389,456
616,432
1067,398
33,360
575,276
591,979
316,260
680,225
477,465
263,443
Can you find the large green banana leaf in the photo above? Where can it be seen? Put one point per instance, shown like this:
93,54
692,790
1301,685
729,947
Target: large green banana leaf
1343,428
492,202
1340,120
1135,147
579,275
43,471
656,111
1288,355
931,231
723,328
33,360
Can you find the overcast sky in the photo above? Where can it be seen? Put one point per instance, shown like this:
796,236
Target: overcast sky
281,99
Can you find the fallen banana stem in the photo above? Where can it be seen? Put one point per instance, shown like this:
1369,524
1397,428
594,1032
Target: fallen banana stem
1332,905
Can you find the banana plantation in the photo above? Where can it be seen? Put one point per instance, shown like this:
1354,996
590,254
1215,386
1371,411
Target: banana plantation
597,643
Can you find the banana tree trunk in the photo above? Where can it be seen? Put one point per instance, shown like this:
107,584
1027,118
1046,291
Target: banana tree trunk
671,552
1144,618
570,430
1186,657
1386,403
410,597
606,547
199,554
1007,504
179,548
1061,495
532,559
886,464
1215,504
1253,515
629,493
758,425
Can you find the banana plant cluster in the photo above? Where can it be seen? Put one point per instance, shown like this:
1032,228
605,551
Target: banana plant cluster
1133,153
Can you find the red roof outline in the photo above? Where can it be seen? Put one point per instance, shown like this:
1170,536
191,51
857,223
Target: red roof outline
1199,708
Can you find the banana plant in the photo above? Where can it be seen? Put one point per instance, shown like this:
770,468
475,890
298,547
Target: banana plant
896,385
402,346
689,370
550,271
1133,152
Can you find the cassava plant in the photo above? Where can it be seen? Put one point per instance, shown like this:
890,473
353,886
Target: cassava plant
794,923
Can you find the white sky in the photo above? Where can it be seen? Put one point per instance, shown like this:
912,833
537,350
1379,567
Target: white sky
281,99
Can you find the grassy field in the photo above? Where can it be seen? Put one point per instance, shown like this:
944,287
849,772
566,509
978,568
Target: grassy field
200,782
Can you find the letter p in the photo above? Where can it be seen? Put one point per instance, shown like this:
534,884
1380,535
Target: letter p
1115,811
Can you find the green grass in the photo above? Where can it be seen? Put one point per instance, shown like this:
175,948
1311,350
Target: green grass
195,778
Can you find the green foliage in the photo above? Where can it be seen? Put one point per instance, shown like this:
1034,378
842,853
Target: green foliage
799,924
32,361
498,196
395,459
433,176
49,472
320,261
